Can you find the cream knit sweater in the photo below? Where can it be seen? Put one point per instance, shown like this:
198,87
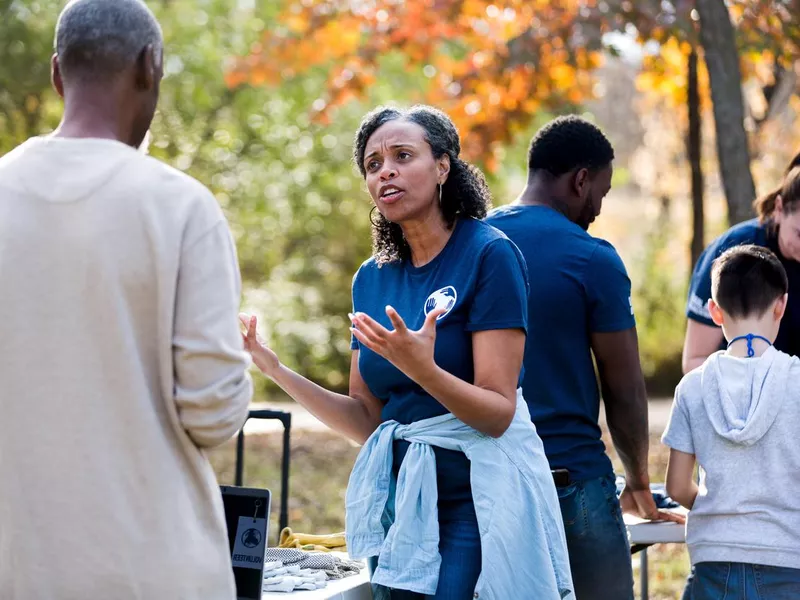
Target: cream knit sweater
120,362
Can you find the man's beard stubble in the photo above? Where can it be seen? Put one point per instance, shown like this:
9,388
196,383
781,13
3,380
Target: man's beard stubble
587,215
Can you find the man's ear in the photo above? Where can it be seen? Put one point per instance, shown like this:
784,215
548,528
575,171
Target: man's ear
148,68
716,313
55,76
580,180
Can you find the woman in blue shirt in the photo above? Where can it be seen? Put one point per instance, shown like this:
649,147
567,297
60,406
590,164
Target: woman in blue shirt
777,228
439,320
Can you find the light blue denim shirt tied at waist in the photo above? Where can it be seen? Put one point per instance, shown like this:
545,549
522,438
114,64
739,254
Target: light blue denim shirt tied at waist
524,550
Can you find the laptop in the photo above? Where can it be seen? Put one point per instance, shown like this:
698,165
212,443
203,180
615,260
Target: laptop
247,517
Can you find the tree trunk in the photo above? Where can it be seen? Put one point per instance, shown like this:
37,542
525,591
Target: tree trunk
722,60
693,147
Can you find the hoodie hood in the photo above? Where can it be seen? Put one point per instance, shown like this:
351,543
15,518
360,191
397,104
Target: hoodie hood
65,169
743,396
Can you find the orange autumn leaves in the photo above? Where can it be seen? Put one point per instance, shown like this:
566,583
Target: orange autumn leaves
490,65
664,76
771,25
768,33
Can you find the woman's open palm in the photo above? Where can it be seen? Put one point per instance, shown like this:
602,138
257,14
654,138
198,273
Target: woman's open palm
412,352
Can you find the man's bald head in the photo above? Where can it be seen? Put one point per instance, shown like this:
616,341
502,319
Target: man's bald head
98,39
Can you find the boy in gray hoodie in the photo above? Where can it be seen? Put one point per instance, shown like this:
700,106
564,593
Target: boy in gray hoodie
738,415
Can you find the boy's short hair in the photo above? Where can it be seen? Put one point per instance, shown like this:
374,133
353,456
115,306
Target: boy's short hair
746,280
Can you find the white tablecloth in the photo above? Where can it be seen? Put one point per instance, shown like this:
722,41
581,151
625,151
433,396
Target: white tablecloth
358,588
648,532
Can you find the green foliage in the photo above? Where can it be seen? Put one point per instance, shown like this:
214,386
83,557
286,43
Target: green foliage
659,297
290,193
28,106
297,207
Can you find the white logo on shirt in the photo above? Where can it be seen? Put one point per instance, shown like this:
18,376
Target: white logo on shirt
630,301
698,307
444,298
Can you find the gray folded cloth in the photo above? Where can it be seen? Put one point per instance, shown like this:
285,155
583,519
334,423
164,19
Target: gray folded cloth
288,556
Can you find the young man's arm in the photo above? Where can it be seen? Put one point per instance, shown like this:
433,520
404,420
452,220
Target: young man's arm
625,399
616,349
681,485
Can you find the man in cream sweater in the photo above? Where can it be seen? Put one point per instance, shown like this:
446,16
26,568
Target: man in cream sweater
121,359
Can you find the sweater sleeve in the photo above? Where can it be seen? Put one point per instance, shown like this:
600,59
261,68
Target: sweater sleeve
212,385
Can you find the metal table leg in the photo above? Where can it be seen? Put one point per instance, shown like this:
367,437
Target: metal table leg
635,549
643,573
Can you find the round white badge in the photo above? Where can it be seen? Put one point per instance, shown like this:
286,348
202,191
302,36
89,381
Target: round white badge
444,298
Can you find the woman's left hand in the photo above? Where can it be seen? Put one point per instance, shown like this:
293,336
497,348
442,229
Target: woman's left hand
410,351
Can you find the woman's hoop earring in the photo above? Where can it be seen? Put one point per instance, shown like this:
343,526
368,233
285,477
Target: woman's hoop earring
371,213
440,195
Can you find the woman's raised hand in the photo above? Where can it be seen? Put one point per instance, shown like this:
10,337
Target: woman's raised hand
408,350
264,358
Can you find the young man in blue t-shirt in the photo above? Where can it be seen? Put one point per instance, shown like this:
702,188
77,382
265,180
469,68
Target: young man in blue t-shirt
579,306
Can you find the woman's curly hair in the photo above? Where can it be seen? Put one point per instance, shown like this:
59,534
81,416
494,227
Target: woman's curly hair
464,194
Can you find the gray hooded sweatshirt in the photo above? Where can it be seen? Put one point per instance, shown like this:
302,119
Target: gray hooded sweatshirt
741,418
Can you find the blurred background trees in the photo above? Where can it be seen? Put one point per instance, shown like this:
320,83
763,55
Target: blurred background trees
262,98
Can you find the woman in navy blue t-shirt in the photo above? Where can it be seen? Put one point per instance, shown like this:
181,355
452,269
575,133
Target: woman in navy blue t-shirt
439,317
777,228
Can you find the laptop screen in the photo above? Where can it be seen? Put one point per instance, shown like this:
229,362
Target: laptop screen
247,517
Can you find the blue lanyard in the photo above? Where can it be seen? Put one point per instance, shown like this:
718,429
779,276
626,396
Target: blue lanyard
749,337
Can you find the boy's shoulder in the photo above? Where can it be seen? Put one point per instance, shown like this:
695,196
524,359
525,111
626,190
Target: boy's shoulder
794,368
690,387
689,392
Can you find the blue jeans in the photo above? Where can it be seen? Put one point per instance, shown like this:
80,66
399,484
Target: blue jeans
460,548
599,553
741,581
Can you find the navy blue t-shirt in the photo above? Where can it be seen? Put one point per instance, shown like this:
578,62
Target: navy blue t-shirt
760,234
579,286
480,278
